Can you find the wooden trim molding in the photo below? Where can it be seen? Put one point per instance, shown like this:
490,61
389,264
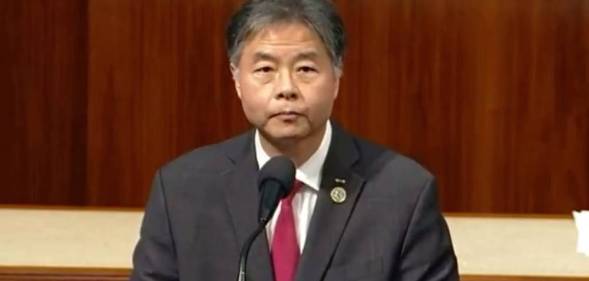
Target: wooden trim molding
69,208
120,274
519,278
507,215
63,274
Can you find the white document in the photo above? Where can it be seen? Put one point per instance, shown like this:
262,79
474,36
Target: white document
582,222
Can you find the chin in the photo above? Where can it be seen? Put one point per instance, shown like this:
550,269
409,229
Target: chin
285,133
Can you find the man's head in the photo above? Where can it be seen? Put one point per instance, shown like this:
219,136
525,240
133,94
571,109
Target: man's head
286,61
318,15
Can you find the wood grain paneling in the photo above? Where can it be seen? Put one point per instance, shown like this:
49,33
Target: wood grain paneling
159,86
492,96
43,101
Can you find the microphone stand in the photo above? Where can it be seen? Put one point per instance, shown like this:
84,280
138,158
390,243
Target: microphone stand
246,248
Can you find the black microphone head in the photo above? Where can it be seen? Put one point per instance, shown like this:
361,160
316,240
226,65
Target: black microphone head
279,169
275,181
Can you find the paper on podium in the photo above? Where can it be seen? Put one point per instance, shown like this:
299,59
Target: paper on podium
582,222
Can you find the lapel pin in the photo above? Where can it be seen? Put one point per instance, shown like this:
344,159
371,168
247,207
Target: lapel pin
338,195
340,181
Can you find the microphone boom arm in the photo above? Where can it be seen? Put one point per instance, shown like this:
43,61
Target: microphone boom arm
245,251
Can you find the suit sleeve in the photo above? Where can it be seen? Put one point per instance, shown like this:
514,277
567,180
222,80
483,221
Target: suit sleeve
155,257
427,253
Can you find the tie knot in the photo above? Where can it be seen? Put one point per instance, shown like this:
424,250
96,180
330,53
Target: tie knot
296,186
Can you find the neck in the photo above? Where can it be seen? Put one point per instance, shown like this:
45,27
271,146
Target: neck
298,150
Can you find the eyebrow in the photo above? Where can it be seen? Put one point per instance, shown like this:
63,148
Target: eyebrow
258,56
261,55
307,55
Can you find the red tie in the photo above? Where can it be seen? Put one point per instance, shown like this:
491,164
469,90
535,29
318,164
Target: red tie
285,249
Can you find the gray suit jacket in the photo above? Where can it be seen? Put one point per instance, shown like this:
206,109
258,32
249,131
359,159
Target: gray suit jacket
204,204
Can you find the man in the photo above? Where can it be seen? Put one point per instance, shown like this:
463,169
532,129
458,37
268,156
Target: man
360,212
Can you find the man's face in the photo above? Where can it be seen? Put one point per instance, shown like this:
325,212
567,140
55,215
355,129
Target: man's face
286,82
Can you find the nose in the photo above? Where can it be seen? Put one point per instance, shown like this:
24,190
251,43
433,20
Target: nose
286,87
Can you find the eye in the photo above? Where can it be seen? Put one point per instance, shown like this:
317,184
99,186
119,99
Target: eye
263,69
307,69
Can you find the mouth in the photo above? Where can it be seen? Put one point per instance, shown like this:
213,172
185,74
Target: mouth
286,115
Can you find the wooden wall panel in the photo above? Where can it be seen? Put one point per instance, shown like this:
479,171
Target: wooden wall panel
492,96
42,101
159,86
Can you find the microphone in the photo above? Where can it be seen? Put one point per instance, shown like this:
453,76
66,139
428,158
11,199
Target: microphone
275,181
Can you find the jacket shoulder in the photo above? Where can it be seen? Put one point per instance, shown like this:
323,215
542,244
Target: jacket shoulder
209,159
377,159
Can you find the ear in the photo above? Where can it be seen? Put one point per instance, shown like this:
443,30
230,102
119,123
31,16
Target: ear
338,72
235,75
337,79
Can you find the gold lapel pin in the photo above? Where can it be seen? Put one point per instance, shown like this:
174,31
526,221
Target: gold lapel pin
338,195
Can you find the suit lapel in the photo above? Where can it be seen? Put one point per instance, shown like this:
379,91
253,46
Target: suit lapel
242,200
329,218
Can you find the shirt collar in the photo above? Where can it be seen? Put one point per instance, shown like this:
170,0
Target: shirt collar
309,172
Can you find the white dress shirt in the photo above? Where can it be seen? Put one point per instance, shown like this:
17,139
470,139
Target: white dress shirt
303,203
